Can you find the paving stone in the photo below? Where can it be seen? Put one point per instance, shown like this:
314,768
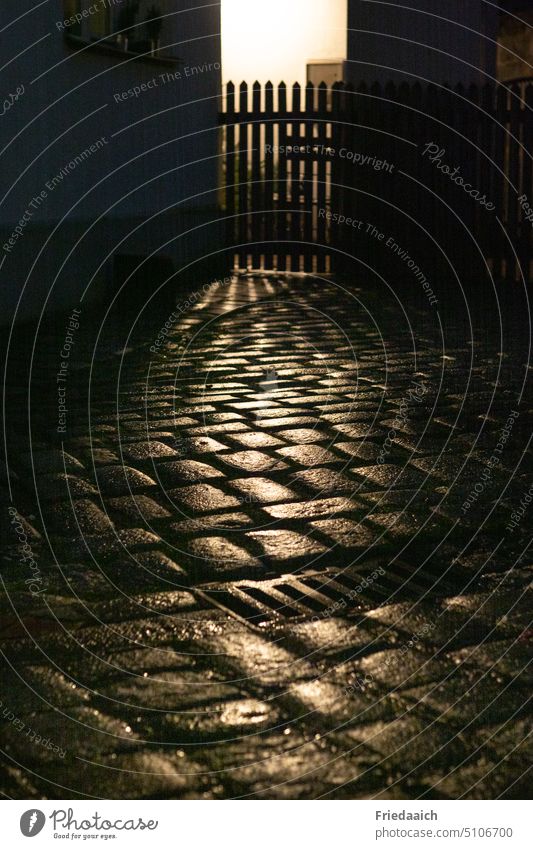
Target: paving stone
10,523
308,455
253,405
389,475
220,521
120,480
354,431
159,564
224,427
360,451
83,733
346,533
310,509
197,408
148,451
187,470
302,435
253,461
52,460
57,487
81,516
216,418
287,421
222,557
203,498
230,719
103,457
286,545
140,775
105,545
324,481
199,445
257,440
137,508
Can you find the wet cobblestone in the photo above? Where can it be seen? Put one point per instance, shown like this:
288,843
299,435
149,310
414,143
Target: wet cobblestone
239,595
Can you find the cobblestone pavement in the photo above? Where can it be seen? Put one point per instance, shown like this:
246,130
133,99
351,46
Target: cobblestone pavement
274,559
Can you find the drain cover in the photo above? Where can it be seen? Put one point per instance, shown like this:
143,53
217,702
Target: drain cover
321,594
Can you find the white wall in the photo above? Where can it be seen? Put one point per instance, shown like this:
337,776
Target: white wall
275,40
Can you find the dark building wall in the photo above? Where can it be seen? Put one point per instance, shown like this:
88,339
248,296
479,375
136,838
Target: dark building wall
156,174
515,48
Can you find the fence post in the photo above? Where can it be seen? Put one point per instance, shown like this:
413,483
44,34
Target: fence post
323,141
281,212
295,203
526,186
306,226
268,192
257,214
338,191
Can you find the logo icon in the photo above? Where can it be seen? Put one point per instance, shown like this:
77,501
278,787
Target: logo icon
32,822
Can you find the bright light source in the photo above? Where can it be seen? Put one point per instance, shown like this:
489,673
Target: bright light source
275,39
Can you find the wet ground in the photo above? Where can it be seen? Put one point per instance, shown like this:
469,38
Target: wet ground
280,550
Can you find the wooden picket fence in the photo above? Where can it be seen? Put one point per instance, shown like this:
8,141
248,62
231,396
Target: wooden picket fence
317,182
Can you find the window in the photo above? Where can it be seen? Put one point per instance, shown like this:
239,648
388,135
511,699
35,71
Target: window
71,10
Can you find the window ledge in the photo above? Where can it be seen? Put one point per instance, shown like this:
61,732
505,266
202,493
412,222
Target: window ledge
105,48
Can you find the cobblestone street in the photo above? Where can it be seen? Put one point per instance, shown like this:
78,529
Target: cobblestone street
277,552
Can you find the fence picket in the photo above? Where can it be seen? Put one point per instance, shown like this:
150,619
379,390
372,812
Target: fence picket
244,198
294,247
229,171
257,211
281,216
279,171
306,227
323,141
